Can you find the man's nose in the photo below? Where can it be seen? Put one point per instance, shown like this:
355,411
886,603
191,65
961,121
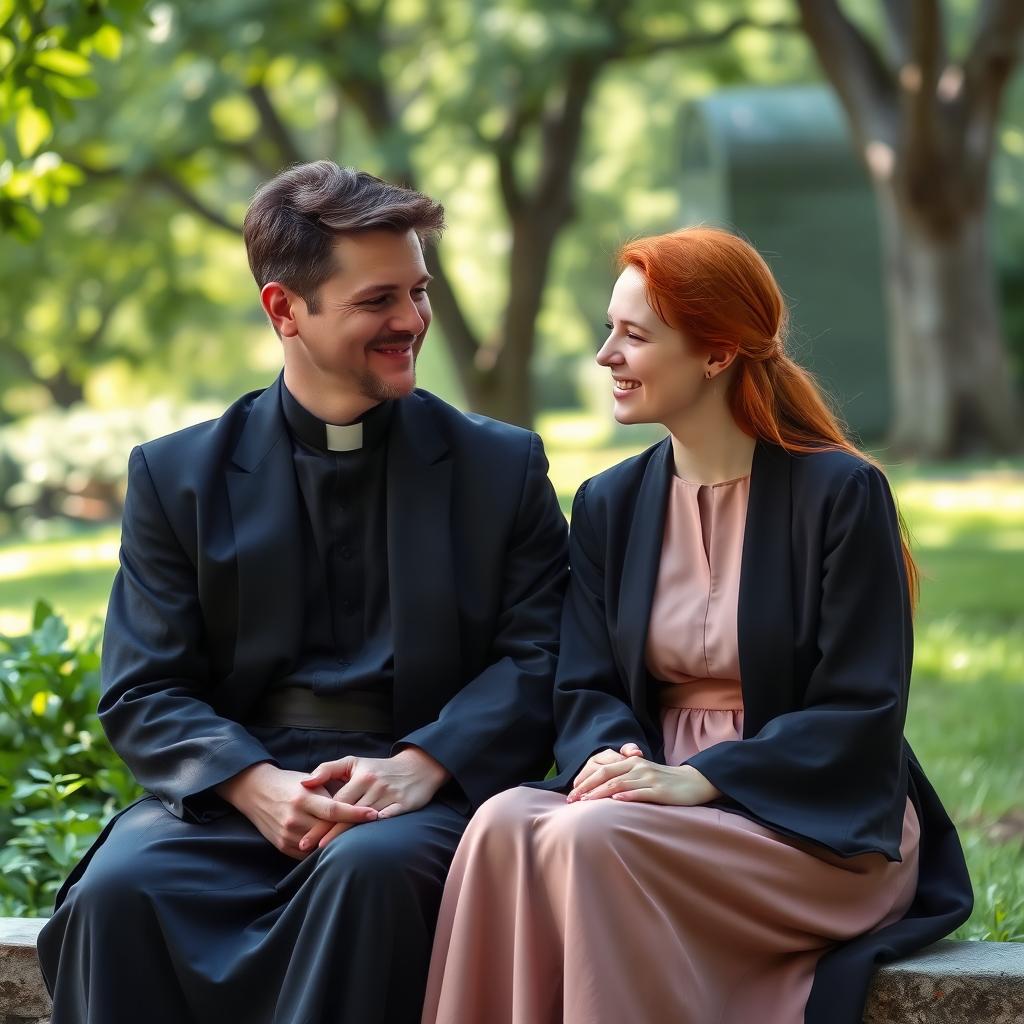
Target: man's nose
408,319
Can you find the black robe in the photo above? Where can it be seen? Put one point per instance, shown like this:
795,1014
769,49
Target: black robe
181,907
825,649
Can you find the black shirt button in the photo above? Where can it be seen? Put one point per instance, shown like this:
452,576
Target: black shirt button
346,553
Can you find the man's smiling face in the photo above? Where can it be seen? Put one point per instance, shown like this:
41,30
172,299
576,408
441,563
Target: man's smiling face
372,315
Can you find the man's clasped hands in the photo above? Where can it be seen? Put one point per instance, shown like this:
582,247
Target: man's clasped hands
299,812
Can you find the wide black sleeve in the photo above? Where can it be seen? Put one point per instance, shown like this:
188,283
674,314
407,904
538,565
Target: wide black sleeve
496,731
155,668
834,770
592,707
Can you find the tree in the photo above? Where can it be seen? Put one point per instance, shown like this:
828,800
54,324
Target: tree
511,82
924,123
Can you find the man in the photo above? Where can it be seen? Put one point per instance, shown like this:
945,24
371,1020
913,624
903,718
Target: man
333,635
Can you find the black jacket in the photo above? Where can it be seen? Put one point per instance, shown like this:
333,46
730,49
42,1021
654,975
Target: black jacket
206,609
826,644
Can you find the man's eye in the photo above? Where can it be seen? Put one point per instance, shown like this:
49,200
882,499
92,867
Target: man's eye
378,301
419,291
608,327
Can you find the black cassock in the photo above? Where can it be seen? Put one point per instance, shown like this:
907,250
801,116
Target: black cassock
425,568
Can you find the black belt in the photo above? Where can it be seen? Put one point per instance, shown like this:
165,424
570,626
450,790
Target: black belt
297,707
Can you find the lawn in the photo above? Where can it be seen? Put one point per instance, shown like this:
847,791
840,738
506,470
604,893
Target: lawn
966,719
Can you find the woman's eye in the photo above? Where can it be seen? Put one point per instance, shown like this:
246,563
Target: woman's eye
608,326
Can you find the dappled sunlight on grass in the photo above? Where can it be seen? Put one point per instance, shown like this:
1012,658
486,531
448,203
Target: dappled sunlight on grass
957,651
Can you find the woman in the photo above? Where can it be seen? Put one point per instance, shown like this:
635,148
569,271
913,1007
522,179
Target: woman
746,831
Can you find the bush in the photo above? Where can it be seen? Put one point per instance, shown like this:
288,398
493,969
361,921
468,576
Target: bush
60,781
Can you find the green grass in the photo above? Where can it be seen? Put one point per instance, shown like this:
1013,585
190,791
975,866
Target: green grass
966,716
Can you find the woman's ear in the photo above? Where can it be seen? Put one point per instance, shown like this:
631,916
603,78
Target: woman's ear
718,360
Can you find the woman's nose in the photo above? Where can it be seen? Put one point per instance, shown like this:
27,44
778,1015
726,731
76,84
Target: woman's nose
608,354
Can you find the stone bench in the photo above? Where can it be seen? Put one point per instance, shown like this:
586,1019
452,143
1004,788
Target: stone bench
948,983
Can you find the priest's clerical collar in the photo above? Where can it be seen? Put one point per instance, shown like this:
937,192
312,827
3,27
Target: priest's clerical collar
367,433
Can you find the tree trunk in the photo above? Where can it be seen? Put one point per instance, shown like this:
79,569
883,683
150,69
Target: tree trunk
951,385
503,393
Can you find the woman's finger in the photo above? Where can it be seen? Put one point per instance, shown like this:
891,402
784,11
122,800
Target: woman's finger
619,784
645,794
601,776
596,761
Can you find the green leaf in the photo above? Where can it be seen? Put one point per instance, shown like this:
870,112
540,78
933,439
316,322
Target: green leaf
40,613
64,62
51,635
23,790
23,221
107,42
32,127
7,50
71,88
56,849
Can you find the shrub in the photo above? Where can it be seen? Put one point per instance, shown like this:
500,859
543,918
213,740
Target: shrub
60,781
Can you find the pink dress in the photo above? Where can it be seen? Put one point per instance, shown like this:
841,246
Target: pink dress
615,912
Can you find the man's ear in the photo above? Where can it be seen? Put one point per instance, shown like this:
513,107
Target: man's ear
278,302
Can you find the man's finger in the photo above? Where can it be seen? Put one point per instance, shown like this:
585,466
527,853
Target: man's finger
631,750
324,773
315,834
333,834
330,809
353,791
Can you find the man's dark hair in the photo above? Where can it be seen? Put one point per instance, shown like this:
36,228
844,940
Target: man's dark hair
293,220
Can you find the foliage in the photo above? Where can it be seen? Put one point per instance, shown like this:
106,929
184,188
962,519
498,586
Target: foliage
74,462
59,779
46,53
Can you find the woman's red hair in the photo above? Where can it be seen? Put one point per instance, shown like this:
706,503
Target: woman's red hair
720,293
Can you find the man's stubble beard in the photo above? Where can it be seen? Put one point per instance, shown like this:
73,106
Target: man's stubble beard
378,390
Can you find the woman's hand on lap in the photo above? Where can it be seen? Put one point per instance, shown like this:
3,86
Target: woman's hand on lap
634,778
602,758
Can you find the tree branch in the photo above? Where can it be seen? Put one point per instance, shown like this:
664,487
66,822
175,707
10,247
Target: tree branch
167,181
634,48
274,128
919,82
899,17
170,184
993,56
862,81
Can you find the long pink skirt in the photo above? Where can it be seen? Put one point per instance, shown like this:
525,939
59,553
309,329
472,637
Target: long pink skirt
630,913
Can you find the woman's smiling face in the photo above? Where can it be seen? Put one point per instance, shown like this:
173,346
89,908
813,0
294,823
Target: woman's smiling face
656,374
